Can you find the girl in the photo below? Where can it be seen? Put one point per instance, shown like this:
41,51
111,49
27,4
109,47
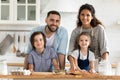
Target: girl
83,57
41,57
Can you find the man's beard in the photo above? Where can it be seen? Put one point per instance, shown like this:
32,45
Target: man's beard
51,29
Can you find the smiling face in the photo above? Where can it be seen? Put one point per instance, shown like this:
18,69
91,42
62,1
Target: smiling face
53,22
85,17
84,41
38,42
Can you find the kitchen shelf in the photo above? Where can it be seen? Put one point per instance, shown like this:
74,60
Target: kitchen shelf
66,65
15,30
15,64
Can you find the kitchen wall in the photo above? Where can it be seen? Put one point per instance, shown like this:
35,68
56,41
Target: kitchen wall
108,11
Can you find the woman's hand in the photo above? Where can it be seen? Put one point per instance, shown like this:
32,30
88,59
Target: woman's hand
105,56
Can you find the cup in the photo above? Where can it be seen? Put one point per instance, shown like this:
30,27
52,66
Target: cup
118,69
96,65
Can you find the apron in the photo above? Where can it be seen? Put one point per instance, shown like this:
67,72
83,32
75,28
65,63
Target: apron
83,64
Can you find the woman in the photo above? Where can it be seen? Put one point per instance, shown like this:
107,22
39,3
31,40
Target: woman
41,58
87,22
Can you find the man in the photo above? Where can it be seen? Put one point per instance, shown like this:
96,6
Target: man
56,36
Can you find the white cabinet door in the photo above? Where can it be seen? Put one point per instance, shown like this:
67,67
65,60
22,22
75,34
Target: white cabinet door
20,12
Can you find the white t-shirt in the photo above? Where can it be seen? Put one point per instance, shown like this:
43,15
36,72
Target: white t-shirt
75,54
49,41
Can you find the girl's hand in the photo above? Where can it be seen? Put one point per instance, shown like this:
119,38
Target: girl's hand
77,68
92,71
73,68
84,71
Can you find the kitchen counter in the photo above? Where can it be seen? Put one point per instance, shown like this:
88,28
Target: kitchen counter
50,76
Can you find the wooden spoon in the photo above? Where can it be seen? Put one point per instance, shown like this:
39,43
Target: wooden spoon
14,47
24,39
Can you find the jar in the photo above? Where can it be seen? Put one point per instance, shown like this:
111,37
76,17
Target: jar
3,67
118,69
104,68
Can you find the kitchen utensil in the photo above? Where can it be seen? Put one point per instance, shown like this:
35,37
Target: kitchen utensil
5,44
24,43
24,39
14,47
18,53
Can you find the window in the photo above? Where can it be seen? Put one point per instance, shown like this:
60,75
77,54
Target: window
19,11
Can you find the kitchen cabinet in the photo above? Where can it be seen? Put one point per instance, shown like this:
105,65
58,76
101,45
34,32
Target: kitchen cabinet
19,11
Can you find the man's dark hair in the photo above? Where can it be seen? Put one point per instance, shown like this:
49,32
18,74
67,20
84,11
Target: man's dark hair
53,12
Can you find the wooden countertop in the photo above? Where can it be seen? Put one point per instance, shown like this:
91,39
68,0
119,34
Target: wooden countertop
58,76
